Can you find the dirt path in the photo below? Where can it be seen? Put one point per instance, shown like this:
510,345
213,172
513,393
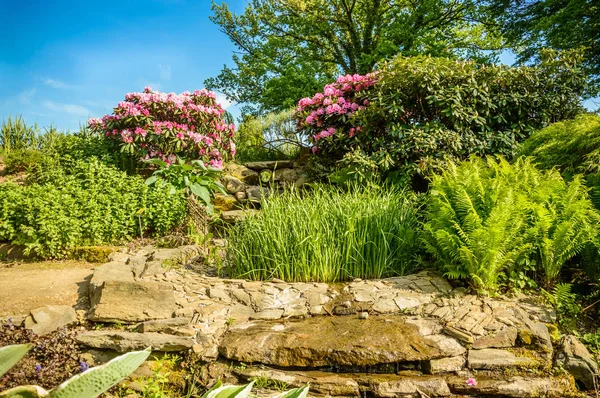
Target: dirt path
25,286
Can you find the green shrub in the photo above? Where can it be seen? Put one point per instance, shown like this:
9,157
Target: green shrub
423,112
20,160
327,235
489,220
572,146
88,204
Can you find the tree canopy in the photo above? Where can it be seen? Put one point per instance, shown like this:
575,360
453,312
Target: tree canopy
288,49
558,24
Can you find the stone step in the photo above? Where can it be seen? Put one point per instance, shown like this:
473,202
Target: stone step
343,341
351,384
130,341
407,384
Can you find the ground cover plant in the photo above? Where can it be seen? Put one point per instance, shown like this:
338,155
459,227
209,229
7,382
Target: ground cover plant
89,203
327,234
417,113
494,223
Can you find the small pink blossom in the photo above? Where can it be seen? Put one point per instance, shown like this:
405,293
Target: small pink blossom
471,382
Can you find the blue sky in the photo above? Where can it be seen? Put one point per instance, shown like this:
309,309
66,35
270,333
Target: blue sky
64,61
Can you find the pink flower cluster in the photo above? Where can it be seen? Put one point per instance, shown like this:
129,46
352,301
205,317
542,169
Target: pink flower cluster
329,112
163,125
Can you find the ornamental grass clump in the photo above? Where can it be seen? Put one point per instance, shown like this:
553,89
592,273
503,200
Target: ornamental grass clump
327,235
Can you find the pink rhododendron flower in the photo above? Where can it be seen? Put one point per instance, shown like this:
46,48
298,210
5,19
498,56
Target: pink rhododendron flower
471,382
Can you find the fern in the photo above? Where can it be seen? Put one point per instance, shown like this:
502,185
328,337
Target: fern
484,218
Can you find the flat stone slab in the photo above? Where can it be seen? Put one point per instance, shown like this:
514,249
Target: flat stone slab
129,301
44,320
353,384
491,358
517,387
324,341
129,341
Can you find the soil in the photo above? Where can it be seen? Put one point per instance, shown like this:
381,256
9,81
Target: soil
29,285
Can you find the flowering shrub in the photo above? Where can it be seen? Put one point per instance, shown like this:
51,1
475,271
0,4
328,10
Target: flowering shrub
326,117
416,114
160,125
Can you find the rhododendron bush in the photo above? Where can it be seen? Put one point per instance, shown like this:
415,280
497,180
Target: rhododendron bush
160,125
326,118
416,113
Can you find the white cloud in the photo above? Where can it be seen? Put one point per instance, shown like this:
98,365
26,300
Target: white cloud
67,108
222,99
25,97
165,72
56,83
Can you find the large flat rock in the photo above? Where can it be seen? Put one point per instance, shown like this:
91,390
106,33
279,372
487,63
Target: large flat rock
131,301
128,341
345,341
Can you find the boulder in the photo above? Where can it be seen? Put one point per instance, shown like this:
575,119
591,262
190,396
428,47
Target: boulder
225,202
129,302
324,341
286,176
242,173
491,358
255,194
127,341
44,320
233,185
572,356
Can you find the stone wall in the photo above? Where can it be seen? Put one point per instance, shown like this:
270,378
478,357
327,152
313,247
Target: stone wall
411,336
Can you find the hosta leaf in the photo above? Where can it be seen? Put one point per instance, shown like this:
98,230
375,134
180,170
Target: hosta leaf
10,355
295,393
151,180
25,392
97,380
201,192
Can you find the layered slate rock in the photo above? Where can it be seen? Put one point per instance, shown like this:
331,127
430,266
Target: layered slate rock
132,301
323,341
572,356
512,387
353,384
127,341
491,358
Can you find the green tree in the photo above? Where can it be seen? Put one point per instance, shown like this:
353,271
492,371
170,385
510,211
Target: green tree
288,49
559,24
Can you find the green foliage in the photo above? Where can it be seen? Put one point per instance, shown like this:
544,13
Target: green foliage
565,302
486,220
10,355
156,386
230,391
572,146
88,204
15,134
287,50
271,137
426,111
327,234
20,160
558,24
592,342
89,384
192,178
